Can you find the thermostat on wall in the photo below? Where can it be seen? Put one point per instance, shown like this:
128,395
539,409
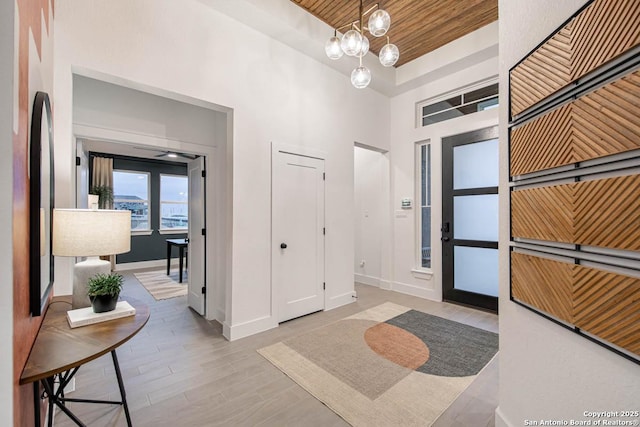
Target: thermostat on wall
407,203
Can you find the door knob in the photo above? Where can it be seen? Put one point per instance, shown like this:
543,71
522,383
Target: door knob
283,246
444,239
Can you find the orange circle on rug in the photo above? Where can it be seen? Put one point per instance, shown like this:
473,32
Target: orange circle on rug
397,345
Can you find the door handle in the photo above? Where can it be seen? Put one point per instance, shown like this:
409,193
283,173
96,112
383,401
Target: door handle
445,239
283,246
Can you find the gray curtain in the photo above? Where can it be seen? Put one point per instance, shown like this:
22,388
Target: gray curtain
102,176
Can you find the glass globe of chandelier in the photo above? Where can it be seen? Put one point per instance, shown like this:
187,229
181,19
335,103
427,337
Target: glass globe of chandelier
355,43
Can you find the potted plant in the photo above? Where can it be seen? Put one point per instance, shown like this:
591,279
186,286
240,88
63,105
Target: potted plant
103,291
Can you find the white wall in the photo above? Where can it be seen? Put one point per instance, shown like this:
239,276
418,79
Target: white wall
546,371
276,93
407,277
371,175
109,106
6,205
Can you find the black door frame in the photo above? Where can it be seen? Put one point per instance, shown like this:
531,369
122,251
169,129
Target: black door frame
449,293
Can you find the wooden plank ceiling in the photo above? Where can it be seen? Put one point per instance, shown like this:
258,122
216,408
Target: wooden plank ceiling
417,26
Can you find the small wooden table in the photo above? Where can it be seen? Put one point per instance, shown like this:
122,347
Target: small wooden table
182,245
59,351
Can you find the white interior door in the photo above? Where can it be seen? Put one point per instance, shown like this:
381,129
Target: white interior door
297,234
196,247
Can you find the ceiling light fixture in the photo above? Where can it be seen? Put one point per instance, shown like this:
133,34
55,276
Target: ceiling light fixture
355,43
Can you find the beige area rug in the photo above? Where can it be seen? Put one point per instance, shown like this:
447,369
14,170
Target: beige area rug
161,286
386,366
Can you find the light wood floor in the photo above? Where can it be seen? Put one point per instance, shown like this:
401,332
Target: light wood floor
180,371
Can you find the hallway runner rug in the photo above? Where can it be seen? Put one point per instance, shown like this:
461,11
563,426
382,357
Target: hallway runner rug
161,286
386,366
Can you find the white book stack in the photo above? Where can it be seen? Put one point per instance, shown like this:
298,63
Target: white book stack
86,316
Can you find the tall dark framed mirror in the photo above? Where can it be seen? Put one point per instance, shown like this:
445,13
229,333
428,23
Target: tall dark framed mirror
41,203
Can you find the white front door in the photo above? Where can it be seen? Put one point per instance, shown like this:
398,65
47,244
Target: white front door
297,234
196,248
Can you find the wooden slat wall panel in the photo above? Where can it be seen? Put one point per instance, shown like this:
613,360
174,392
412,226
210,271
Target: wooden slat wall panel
544,72
606,121
604,213
601,123
600,33
607,213
543,143
544,284
544,213
603,31
608,305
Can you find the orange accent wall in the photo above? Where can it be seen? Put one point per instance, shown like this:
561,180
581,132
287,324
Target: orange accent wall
33,16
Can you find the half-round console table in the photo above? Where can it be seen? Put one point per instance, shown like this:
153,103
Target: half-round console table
59,351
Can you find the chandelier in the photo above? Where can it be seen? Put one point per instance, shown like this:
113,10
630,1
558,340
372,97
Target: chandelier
355,43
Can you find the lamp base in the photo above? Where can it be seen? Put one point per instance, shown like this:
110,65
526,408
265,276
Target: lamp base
82,272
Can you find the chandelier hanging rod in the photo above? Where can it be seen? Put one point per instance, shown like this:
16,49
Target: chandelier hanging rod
361,19
353,23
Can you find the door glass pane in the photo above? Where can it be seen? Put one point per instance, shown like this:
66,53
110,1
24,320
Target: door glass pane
476,217
476,270
475,165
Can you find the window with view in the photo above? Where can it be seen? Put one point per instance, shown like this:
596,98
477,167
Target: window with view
174,199
131,192
425,205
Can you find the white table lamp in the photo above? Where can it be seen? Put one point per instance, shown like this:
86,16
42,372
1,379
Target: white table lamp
90,233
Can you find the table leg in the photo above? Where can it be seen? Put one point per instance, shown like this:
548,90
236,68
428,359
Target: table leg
54,399
168,257
36,403
123,394
181,262
56,395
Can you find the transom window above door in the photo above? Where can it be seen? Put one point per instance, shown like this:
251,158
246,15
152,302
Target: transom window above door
451,106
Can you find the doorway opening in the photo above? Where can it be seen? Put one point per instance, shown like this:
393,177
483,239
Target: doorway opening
148,123
371,203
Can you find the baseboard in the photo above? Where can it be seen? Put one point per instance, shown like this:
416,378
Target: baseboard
126,266
386,285
235,332
416,291
367,280
340,300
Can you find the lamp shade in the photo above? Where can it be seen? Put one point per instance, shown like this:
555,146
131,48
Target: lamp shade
332,48
360,77
379,23
351,43
389,55
88,232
